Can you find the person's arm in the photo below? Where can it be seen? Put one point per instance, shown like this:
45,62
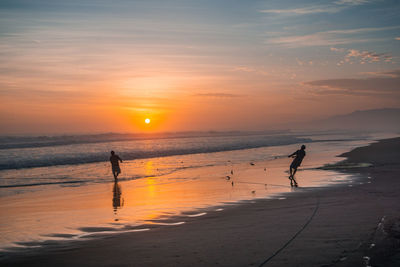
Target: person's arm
120,159
291,155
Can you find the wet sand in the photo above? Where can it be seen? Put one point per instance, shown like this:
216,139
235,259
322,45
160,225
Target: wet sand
344,225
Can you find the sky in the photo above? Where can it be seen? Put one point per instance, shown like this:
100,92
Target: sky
90,66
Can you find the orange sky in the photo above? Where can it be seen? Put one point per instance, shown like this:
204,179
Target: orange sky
79,68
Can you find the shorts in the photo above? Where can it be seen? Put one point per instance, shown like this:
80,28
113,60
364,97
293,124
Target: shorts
116,169
295,164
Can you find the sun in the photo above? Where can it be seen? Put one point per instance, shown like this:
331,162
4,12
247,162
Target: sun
147,120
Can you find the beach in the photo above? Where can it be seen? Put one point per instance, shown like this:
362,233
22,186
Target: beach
200,133
353,224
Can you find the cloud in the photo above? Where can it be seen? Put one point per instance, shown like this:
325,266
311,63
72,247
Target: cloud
334,49
303,11
362,57
219,95
337,6
327,38
316,39
363,30
392,74
368,56
352,2
382,84
48,97
303,62
251,70
397,38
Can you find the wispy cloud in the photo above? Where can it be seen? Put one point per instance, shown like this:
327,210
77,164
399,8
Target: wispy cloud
251,70
304,62
364,30
368,56
363,57
315,39
334,49
352,2
397,38
392,74
383,84
335,7
304,10
219,95
328,38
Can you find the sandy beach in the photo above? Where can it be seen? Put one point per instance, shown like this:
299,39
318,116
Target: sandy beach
355,224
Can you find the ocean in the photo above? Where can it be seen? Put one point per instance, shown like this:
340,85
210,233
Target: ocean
57,188
46,160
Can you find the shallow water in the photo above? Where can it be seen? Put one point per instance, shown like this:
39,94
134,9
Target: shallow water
154,189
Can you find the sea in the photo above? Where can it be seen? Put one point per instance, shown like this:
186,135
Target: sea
61,188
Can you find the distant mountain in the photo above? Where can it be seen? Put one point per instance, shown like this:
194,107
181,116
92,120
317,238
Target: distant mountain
387,119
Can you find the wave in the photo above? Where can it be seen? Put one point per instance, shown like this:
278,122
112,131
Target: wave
42,183
10,142
94,153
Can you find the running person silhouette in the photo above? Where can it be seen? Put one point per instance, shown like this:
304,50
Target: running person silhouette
115,159
298,158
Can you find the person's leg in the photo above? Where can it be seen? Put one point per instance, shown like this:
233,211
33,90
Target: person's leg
294,180
290,175
114,172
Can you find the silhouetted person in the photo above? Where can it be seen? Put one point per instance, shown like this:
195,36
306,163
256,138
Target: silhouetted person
115,159
298,158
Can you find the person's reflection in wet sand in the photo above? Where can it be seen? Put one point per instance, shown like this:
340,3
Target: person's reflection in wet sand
117,201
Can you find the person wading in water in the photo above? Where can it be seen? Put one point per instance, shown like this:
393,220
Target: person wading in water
115,159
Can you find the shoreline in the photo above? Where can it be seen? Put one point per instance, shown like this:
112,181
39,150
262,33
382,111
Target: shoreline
252,230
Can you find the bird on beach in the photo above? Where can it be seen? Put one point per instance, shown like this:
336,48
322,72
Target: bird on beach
252,164
232,183
265,169
253,192
228,177
232,172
